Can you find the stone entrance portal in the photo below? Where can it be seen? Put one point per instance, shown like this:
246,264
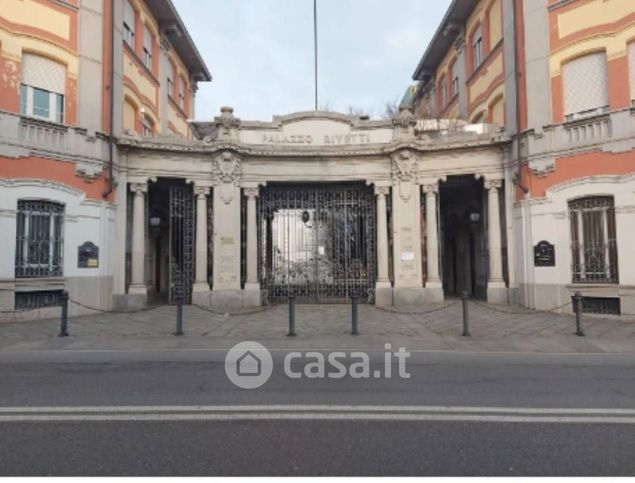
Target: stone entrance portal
317,241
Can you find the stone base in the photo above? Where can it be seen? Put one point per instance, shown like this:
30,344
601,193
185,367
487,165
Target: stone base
433,295
252,295
237,299
497,293
129,301
202,297
408,296
383,294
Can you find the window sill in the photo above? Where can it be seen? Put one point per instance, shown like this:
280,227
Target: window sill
137,59
487,60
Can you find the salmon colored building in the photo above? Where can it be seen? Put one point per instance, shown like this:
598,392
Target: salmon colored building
76,77
557,77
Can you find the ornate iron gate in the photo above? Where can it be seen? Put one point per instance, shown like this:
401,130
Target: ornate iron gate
181,243
317,241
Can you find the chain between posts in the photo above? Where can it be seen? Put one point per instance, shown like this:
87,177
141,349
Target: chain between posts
431,311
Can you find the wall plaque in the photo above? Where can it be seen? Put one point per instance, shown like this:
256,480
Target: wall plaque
544,254
87,255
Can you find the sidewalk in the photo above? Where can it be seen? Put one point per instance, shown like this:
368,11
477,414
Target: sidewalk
327,327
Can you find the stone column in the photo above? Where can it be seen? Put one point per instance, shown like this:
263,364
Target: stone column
496,291
137,279
252,286
252,237
201,284
383,288
432,240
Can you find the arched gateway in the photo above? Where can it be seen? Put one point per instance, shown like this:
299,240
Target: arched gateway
319,204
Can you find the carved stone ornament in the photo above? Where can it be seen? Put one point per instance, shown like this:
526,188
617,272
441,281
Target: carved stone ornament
404,170
404,165
404,123
226,122
491,184
226,168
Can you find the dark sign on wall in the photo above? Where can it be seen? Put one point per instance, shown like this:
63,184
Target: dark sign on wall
88,255
544,254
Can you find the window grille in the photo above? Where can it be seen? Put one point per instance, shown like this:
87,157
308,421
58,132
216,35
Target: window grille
39,239
601,305
593,240
37,300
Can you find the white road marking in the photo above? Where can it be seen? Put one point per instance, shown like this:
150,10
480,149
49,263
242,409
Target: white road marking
319,412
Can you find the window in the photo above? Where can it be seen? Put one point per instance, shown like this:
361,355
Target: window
147,126
631,65
593,242
128,24
147,48
443,92
455,80
42,88
477,47
182,93
170,79
39,239
585,83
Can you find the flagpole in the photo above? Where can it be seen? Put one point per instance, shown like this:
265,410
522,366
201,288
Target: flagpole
315,50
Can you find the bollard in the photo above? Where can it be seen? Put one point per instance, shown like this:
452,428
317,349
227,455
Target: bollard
64,318
179,315
291,315
577,306
466,315
354,300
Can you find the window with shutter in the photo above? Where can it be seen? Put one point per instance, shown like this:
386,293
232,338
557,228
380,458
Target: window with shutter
42,88
585,83
477,47
147,48
128,24
170,79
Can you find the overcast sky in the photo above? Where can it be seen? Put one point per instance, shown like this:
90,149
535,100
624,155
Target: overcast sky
260,52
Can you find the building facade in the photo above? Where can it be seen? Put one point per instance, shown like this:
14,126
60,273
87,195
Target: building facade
77,75
502,178
558,77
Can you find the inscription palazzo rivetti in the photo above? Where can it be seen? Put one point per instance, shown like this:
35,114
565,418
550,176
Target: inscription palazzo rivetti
307,139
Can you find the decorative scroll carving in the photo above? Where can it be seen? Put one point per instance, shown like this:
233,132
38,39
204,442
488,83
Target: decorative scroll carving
491,184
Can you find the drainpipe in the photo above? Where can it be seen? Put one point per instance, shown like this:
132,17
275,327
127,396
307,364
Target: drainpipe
111,107
519,178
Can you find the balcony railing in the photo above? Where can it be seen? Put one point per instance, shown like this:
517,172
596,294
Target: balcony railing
43,133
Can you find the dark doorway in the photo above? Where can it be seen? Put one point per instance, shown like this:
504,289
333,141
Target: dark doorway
463,242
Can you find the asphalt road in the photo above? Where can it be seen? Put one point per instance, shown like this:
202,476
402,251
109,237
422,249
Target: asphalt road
471,414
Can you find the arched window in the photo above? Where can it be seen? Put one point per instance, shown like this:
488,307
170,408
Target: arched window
129,116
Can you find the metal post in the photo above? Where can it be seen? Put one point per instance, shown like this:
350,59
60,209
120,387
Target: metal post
354,299
577,301
64,319
291,315
466,315
179,315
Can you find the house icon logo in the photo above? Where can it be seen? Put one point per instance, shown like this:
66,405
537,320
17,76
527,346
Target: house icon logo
248,365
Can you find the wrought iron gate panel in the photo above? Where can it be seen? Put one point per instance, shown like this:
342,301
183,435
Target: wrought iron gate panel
317,241
181,243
